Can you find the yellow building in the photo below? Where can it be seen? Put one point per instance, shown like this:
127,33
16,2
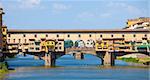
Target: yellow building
138,23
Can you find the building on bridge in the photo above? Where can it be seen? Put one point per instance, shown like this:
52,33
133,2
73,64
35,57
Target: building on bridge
30,41
51,44
118,39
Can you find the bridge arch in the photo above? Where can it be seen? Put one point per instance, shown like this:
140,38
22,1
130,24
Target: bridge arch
98,60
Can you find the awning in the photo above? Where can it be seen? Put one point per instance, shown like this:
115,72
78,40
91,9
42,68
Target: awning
143,46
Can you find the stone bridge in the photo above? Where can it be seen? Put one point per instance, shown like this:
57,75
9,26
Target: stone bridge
107,56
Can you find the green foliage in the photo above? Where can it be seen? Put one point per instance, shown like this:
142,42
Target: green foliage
130,59
3,67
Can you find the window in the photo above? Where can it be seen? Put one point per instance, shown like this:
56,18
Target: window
90,35
68,35
19,40
59,47
112,35
37,43
57,35
35,35
31,48
79,35
59,43
24,35
25,40
144,38
123,35
46,35
14,41
101,35
145,35
37,48
4,35
8,35
43,47
55,47
134,35
8,40
3,29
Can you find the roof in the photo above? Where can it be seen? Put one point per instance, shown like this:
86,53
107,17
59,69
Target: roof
76,31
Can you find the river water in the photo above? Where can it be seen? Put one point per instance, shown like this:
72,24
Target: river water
67,68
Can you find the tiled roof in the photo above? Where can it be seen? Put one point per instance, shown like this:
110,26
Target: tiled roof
76,31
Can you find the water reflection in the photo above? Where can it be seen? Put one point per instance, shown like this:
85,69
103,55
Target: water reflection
70,69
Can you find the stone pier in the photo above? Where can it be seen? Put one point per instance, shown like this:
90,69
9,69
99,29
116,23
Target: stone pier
79,56
109,59
1,57
37,58
50,59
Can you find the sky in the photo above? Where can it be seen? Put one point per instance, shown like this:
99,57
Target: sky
72,14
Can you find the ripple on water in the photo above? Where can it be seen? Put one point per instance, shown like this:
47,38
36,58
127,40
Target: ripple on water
70,69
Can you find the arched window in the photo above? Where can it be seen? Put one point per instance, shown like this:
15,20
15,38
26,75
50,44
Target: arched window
145,35
123,35
24,35
35,35
57,35
68,35
46,35
101,35
79,35
90,35
134,35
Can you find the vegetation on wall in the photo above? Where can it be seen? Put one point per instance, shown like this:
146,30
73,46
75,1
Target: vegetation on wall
3,67
136,60
130,59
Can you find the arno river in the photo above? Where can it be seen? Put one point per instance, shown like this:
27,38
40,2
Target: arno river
26,68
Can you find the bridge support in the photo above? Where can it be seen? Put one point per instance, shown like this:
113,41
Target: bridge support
79,55
2,57
37,58
109,59
50,59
